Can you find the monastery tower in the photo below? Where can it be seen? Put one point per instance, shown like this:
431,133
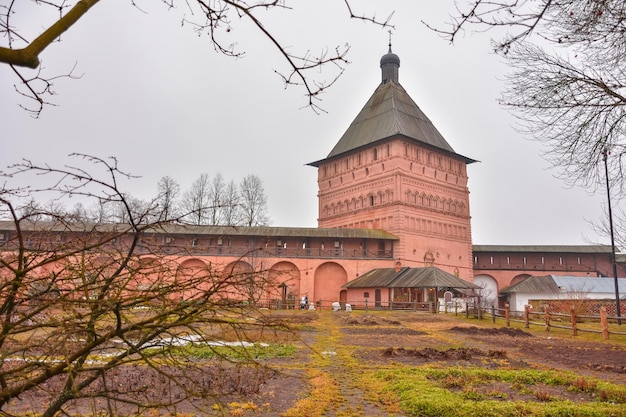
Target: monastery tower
393,170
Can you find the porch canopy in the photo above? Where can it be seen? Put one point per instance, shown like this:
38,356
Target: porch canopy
427,277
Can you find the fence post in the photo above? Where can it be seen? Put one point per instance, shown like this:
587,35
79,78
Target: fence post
604,322
507,314
493,314
573,318
526,314
546,318
467,310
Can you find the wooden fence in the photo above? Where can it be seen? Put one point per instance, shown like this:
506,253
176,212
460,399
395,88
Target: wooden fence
548,319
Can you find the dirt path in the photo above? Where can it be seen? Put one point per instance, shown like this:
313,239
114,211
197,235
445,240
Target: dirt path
352,398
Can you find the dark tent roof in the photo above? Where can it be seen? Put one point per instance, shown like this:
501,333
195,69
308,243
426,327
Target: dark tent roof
427,277
388,113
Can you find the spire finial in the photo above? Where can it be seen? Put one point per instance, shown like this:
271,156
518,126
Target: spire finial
390,63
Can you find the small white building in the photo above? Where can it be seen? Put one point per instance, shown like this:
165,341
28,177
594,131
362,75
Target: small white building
552,287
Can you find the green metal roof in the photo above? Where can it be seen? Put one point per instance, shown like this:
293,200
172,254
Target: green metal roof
427,277
534,285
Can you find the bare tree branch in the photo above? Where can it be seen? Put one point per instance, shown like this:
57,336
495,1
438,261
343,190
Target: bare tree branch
29,56
210,17
569,93
576,111
92,315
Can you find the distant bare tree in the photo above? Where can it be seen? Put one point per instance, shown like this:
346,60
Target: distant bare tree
231,205
576,107
131,208
213,18
91,313
196,201
486,297
253,202
31,210
216,199
602,228
100,212
167,198
79,213
568,81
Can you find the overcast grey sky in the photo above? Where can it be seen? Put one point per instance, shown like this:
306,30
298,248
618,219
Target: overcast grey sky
161,100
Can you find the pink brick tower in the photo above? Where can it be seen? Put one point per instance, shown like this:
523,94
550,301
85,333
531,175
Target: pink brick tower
393,170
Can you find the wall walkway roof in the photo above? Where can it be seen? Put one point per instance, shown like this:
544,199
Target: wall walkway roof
542,248
182,229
